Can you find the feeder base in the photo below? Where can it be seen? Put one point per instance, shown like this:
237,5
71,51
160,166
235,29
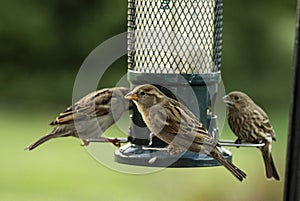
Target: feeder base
143,156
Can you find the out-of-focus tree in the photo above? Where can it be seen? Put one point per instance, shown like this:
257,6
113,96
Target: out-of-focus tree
43,44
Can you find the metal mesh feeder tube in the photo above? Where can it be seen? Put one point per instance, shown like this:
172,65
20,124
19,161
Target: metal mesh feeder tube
175,45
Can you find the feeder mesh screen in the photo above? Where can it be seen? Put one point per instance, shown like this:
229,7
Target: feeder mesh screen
175,36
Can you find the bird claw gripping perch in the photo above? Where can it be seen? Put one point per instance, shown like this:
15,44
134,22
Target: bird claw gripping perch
84,142
115,141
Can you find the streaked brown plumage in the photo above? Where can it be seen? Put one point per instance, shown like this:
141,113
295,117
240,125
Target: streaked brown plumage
251,124
176,125
89,117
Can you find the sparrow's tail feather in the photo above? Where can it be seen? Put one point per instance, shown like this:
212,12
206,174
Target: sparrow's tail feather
40,141
271,171
217,155
45,138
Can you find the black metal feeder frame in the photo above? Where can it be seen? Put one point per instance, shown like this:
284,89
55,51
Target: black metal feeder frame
169,41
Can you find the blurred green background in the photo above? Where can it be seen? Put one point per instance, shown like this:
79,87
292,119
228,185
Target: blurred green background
43,44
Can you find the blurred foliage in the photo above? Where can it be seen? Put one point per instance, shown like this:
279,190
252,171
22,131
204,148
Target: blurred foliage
43,45
258,46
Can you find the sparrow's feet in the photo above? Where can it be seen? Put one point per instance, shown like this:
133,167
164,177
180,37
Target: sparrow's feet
238,141
115,141
172,150
84,143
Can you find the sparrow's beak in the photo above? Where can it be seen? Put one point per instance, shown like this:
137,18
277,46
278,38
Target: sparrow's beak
131,96
226,99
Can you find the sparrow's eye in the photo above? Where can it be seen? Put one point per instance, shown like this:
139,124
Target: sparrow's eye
236,98
142,93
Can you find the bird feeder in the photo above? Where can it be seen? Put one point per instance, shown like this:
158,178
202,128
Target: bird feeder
175,45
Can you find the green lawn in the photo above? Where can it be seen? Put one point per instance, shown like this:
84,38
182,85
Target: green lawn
61,170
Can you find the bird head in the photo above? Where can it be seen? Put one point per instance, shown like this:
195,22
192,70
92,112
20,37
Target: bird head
237,99
146,95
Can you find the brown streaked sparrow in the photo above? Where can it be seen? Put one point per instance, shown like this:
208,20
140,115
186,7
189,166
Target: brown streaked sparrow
251,124
89,117
176,125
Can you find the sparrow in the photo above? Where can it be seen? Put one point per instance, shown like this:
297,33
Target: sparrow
251,124
89,117
175,124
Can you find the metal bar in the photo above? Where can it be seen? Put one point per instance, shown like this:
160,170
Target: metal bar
224,143
230,143
292,176
107,139
155,148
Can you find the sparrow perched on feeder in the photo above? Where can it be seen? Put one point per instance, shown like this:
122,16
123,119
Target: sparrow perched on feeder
89,117
176,125
251,124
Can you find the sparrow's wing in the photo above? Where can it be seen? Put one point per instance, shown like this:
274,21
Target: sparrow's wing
174,119
91,106
262,122
189,122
